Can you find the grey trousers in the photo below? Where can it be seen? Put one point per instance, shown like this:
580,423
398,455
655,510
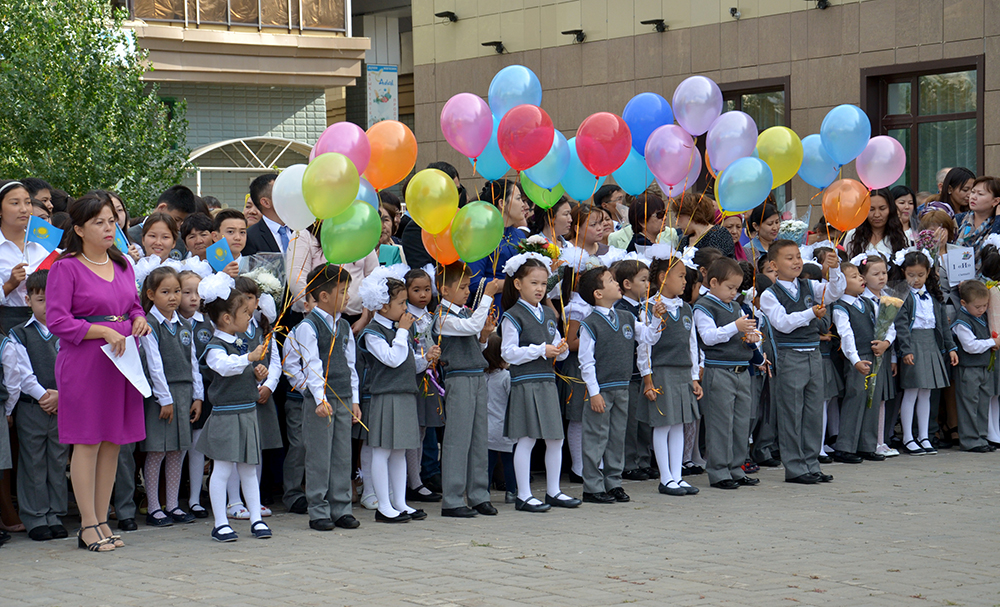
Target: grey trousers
800,410
124,496
726,409
464,450
765,427
41,468
604,438
972,400
638,435
327,443
858,424
294,468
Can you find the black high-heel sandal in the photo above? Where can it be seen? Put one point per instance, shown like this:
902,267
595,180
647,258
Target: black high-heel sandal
95,546
114,537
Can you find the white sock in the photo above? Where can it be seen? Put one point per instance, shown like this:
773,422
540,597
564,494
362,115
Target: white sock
380,481
367,486
906,414
221,471
251,490
397,481
923,413
522,467
675,445
553,466
196,469
993,426
574,437
662,450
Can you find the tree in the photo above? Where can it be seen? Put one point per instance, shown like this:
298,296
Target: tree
74,109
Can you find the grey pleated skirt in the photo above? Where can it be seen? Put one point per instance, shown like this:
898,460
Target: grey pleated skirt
928,370
572,394
534,411
231,437
885,386
430,405
392,421
357,430
6,463
267,421
675,404
162,436
833,383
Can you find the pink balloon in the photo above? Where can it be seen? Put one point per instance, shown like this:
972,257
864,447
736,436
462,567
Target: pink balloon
689,181
881,163
697,102
344,138
467,124
603,142
732,136
670,152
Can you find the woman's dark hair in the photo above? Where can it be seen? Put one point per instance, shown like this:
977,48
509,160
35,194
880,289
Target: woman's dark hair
916,258
542,217
691,289
217,307
955,179
153,282
4,191
248,286
496,192
38,204
893,230
155,218
699,207
510,294
990,258
196,222
494,360
643,207
82,211
580,216
761,214
604,193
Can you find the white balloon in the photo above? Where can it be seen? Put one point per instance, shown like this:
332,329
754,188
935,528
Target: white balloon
289,203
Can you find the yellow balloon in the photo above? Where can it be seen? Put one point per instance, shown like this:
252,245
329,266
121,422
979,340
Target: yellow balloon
781,149
432,200
330,184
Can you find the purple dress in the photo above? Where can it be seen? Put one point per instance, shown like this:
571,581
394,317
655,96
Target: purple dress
96,402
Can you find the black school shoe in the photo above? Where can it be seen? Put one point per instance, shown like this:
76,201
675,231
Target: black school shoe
635,475
321,524
414,495
805,479
58,532
485,508
127,524
558,502
824,478
979,449
748,481
598,498
524,506
826,459
846,458
347,522
402,517
300,506
619,494
769,463
727,483
40,534
460,512
871,456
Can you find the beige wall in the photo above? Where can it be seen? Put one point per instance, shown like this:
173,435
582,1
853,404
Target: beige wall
822,52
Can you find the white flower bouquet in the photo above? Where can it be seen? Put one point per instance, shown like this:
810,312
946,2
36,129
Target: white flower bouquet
888,308
268,271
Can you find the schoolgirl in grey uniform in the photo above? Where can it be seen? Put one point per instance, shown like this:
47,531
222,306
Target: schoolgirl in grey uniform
201,330
10,390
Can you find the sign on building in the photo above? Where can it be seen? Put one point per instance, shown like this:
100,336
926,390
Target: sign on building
383,93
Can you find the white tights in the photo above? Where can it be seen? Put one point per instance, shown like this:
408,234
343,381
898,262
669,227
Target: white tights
235,480
922,399
668,445
172,482
522,467
389,472
217,484
574,438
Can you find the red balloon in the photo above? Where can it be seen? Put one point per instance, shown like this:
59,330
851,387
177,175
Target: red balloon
602,143
439,246
525,136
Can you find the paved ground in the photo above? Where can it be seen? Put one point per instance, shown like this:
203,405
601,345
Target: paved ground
910,531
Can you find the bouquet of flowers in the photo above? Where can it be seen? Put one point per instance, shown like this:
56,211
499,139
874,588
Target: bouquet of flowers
927,240
993,314
539,244
792,229
888,308
268,271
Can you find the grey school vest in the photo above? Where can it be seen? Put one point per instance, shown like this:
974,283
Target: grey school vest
202,330
41,353
862,323
729,353
382,379
175,349
532,331
621,304
460,355
338,374
802,337
673,349
981,331
614,344
234,394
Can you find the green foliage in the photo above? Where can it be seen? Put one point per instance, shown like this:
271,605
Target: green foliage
74,109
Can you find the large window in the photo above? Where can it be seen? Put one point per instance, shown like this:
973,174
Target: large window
287,14
935,111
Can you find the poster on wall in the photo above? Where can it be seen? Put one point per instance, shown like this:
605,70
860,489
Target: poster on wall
383,93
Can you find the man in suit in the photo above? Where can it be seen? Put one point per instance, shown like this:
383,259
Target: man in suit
270,234
178,201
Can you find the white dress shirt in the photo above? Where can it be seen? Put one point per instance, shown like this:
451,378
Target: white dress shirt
226,365
923,309
394,354
645,351
644,334
513,352
843,322
151,350
29,383
968,339
304,361
10,256
274,226
422,324
291,364
825,291
453,326
710,333
274,360
11,375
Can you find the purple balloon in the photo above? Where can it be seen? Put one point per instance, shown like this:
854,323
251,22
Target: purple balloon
689,181
669,154
732,136
467,124
882,162
344,138
697,103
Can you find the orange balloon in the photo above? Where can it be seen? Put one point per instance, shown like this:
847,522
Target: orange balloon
846,204
394,152
439,246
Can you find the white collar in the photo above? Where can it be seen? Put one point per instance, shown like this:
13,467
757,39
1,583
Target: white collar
163,319
271,224
226,337
537,308
870,294
630,300
602,310
417,312
196,317
672,303
451,306
921,291
789,284
728,305
382,320
41,327
703,290
850,299
327,317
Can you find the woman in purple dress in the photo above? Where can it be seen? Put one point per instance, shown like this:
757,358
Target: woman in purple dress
92,301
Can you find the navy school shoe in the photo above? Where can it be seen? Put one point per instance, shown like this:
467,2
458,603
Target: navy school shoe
219,535
260,530
152,521
179,516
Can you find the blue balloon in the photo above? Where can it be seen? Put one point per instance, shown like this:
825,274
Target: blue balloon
845,133
550,170
514,85
818,169
578,182
643,114
744,185
634,176
367,193
491,164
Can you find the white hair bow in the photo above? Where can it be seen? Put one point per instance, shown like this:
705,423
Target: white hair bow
216,286
514,263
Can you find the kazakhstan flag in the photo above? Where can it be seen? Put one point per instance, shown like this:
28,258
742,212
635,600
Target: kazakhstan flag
120,241
219,255
44,233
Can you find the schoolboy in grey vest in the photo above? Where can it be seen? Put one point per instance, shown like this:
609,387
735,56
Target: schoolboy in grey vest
974,381
294,465
793,306
638,433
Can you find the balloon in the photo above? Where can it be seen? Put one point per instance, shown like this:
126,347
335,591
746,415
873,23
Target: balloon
330,184
432,200
845,132
476,231
439,246
579,183
525,136
351,235
689,181
818,169
781,149
743,185
550,170
603,142
882,162
367,193
542,197
697,103
733,135
467,124
633,176
512,86
846,204
394,152
344,138
643,114
490,163
286,194
670,154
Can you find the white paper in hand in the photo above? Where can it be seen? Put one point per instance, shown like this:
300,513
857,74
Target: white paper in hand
130,365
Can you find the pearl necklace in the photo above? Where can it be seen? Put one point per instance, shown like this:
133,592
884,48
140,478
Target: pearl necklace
107,258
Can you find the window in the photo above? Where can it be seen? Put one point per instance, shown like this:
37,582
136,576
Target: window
315,14
935,111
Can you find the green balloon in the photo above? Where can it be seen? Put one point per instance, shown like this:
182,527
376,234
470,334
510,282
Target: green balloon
476,231
542,197
352,234
330,184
